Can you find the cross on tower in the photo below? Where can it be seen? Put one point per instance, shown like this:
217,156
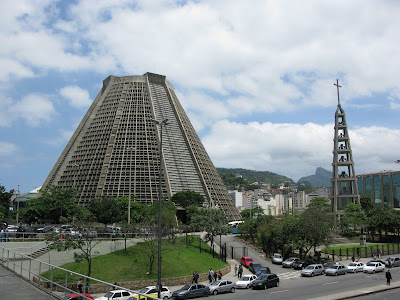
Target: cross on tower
338,86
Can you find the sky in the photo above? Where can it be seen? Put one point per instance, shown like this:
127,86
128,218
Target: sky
256,78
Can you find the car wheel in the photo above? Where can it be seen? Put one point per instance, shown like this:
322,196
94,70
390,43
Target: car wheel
312,274
233,290
265,286
277,284
215,292
247,286
165,298
336,274
206,294
323,272
185,297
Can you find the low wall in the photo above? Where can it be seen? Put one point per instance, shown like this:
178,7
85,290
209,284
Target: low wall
136,285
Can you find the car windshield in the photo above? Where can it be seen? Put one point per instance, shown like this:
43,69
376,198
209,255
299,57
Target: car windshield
371,265
216,282
262,277
186,287
277,256
352,264
256,265
310,268
290,259
143,290
245,278
249,259
109,295
335,267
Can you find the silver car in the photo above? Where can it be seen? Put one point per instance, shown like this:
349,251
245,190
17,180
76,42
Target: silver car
355,267
277,259
394,262
288,263
336,270
222,286
312,270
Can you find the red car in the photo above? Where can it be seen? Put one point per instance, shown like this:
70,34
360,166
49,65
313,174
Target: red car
78,297
246,261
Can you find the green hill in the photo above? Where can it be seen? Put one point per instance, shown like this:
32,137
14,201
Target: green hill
232,181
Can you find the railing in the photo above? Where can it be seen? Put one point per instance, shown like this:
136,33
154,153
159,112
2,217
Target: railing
33,271
374,251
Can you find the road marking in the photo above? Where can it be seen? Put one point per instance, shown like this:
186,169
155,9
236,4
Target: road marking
333,282
279,292
366,276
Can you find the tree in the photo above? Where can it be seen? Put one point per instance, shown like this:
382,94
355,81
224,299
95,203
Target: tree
108,210
210,220
252,212
5,199
84,241
53,204
168,221
354,216
187,198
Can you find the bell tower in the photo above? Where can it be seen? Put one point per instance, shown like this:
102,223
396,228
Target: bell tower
344,182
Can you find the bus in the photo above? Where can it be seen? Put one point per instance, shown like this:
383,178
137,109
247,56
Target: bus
235,225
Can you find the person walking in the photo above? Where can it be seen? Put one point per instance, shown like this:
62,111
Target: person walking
219,275
236,269
80,286
388,277
240,272
211,275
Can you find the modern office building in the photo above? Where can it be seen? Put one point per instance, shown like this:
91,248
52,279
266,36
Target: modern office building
344,183
115,151
384,188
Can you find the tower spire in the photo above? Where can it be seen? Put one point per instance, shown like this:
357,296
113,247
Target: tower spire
337,86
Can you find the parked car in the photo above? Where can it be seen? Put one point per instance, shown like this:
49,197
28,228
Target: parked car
117,295
12,229
191,291
246,281
24,231
303,263
336,270
311,270
288,263
263,270
277,259
355,267
373,267
78,297
222,286
266,281
254,266
246,261
394,261
152,292
328,265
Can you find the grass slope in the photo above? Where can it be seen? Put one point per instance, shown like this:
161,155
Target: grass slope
132,265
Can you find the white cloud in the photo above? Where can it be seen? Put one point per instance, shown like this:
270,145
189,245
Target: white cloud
296,150
34,109
8,149
77,97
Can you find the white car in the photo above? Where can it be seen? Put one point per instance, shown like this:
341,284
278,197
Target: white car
373,267
277,259
116,295
152,291
246,281
355,267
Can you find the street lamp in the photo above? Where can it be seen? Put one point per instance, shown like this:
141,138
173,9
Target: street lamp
18,204
130,178
160,123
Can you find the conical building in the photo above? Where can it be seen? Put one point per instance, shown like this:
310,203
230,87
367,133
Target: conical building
115,149
344,182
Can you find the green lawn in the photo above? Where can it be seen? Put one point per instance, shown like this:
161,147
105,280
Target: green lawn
133,265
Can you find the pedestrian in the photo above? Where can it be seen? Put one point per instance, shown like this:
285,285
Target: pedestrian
215,276
219,275
1,234
236,269
211,275
352,258
380,253
372,253
240,272
196,277
80,286
388,277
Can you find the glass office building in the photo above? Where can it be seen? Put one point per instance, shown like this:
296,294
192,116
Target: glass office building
384,188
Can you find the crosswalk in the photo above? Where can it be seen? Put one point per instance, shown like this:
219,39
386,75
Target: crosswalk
289,275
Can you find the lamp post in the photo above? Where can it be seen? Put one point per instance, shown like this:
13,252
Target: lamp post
18,204
160,123
130,149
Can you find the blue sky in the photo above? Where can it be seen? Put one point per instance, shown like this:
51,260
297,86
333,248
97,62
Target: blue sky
255,79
